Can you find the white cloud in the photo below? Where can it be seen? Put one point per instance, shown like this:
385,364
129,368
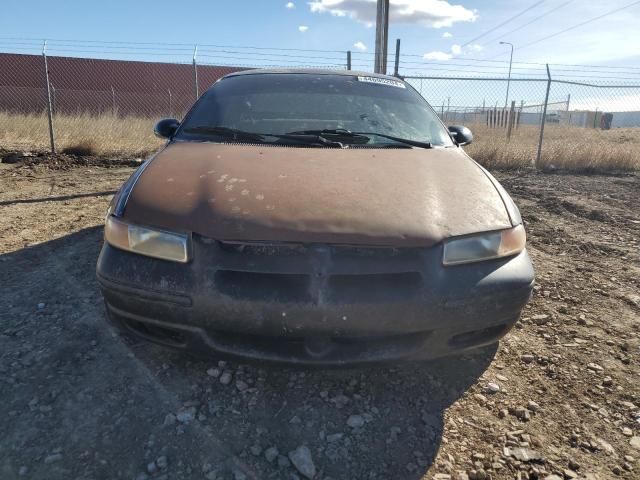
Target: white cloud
360,46
303,28
473,48
428,13
446,35
290,5
455,50
437,56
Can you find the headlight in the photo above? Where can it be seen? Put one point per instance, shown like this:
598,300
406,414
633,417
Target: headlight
485,246
146,241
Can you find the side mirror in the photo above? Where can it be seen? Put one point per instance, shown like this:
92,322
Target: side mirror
166,127
461,135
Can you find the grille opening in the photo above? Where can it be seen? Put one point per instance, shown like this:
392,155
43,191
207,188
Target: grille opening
281,287
164,335
378,287
264,249
478,337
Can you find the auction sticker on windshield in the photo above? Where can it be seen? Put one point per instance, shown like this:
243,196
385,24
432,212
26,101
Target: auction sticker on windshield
381,81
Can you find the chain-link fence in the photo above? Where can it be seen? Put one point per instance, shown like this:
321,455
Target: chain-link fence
109,105
545,122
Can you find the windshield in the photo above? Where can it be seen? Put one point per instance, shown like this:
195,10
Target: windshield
280,104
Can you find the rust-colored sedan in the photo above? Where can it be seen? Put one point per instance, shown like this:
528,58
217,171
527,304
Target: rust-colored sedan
314,217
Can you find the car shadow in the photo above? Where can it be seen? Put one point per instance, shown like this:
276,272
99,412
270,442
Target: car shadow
373,422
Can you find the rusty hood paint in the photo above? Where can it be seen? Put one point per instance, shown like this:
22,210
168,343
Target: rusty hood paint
236,192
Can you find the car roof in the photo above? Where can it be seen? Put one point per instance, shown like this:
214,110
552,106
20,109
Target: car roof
310,71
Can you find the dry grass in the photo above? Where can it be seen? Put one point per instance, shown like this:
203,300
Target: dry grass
102,134
564,147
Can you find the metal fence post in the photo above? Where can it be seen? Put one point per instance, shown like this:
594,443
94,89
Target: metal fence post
53,98
544,118
397,63
512,112
348,59
49,104
195,72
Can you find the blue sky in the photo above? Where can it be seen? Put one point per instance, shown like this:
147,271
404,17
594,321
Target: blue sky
435,28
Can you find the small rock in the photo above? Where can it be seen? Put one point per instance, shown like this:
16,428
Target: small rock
533,406
527,358
617,470
270,454
41,305
522,413
573,465
241,386
491,388
225,378
522,454
569,473
594,367
213,372
540,319
606,446
152,467
635,442
23,471
355,421
186,415
301,459
553,477
170,419
256,450
239,475
480,398
162,462
54,457
627,432
283,462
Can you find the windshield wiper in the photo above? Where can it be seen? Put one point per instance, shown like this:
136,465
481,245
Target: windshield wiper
226,132
242,135
406,141
341,132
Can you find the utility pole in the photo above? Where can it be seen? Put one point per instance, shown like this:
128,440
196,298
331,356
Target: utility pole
382,33
506,100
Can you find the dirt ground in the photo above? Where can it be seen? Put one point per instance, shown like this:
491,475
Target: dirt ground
559,398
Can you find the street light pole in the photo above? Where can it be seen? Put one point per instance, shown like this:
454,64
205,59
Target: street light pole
506,100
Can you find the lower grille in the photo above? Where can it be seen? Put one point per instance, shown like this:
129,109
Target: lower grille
379,287
263,286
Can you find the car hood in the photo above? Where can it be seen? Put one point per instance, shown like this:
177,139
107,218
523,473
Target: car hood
239,192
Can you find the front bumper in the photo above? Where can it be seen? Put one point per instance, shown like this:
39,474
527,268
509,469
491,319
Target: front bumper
315,304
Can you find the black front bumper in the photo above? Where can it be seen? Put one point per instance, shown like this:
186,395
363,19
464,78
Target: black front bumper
315,304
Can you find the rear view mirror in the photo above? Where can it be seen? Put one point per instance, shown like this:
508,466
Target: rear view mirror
166,127
461,134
